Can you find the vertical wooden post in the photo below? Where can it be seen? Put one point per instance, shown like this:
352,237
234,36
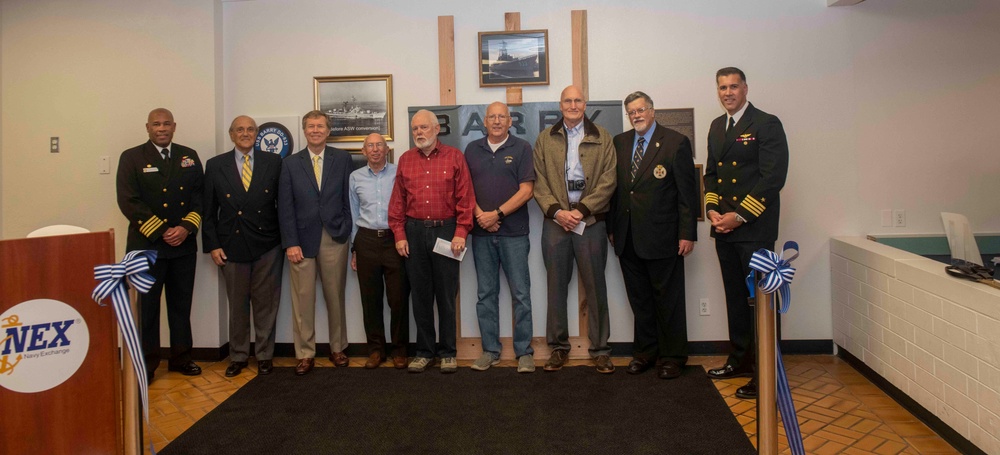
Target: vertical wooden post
579,53
512,23
446,59
767,403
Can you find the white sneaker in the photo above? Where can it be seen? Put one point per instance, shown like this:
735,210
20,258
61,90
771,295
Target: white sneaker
526,364
485,361
419,364
449,365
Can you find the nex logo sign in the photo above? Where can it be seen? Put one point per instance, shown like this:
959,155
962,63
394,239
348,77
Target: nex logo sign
26,338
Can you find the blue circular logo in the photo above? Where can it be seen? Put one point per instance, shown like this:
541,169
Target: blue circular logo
273,137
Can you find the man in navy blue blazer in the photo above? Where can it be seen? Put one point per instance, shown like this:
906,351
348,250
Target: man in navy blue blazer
314,210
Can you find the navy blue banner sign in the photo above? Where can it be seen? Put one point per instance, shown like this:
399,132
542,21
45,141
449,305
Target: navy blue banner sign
461,125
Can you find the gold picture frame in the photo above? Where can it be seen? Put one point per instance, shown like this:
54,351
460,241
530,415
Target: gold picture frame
356,105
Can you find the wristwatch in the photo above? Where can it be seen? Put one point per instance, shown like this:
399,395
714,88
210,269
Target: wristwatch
500,214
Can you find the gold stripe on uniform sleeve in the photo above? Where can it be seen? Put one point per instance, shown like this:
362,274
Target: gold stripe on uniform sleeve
711,198
753,206
150,226
193,218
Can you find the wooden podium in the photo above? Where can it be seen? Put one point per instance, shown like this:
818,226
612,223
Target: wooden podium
83,413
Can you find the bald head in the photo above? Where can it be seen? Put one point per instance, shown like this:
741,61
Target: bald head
243,132
375,151
160,126
573,105
498,122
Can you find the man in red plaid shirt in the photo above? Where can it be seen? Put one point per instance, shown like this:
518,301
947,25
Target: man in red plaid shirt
433,198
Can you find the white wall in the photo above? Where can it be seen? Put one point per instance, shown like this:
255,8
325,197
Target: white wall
90,72
858,88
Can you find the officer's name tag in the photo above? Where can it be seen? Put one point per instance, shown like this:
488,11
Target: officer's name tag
147,170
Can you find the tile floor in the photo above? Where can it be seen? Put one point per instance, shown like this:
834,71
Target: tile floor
839,411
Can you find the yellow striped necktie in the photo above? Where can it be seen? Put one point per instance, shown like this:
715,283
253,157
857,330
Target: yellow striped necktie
318,170
247,172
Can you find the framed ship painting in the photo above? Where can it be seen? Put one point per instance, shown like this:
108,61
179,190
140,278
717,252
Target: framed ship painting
356,105
514,58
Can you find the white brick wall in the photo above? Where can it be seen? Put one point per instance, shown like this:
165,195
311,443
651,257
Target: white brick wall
934,337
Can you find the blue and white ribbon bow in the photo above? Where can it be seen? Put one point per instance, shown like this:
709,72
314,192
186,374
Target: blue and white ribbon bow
134,269
777,274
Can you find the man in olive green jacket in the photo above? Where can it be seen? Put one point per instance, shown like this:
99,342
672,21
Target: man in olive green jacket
575,171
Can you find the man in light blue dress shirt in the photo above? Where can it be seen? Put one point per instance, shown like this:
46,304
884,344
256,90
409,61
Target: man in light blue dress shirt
373,255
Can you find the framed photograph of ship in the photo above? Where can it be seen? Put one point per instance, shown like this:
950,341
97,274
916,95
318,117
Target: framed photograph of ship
356,105
514,58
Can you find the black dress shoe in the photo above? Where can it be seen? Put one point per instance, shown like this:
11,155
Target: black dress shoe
637,366
187,369
235,368
729,371
669,370
265,366
749,391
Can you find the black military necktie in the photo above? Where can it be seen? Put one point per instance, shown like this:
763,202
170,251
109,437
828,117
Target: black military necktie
166,155
732,123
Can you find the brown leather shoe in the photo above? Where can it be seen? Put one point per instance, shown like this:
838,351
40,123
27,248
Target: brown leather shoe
399,362
603,364
339,359
304,366
374,360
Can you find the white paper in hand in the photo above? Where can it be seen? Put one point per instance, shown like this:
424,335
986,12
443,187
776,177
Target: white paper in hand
578,230
443,247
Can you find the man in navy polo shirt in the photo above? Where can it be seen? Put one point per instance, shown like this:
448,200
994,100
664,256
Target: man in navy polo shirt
503,176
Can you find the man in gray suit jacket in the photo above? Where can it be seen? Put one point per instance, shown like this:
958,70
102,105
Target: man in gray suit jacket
240,231
315,212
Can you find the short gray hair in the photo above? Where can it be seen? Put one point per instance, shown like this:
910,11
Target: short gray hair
637,95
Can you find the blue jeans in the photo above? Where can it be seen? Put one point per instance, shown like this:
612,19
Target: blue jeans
490,253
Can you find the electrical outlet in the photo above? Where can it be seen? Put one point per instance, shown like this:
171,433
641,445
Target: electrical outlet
886,218
54,144
899,218
703,309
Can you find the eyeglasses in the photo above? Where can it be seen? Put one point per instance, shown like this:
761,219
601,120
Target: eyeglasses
495,117
376,145
242,130
641,110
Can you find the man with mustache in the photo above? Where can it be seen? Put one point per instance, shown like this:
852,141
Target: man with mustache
159,192
432,199
654,227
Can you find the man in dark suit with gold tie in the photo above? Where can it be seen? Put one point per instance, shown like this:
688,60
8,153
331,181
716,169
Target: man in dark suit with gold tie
315,218
159,192
746,169
240,231
652,227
